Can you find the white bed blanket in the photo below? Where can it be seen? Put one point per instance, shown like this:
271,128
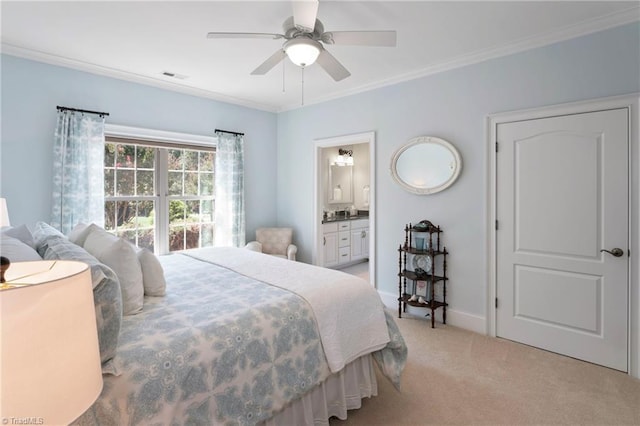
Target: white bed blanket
348,309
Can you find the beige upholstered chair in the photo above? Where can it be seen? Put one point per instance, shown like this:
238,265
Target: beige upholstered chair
274,241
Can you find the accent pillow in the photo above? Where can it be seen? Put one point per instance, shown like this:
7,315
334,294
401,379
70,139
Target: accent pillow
152,273
43,233
22,233
78,234
17,251
120,256
107,297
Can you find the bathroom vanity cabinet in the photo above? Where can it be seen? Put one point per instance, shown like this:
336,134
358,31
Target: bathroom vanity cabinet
345,242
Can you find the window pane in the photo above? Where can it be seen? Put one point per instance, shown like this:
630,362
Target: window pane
192,236
191,160
175,159
109,176
193,211
126,213
206,236
206,161
125,156
146,239
206,184
190,183
176,238
175,183
146,211
145,182
176,212
206,211
145,157
109,155
109,215
125,182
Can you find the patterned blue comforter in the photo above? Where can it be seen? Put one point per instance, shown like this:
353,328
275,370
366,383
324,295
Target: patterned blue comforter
219,348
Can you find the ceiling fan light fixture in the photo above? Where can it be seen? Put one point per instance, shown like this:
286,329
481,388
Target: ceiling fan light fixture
302,51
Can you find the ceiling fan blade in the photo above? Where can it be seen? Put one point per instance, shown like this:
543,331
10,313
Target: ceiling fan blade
361,38
267,65
304,14
244,35
332,66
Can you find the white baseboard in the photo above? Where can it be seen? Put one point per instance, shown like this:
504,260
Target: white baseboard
455,318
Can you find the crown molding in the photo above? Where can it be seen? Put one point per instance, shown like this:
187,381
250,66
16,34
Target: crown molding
38,56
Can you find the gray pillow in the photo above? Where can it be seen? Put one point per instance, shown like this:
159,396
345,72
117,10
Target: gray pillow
107,297
20,232
43,233
17,251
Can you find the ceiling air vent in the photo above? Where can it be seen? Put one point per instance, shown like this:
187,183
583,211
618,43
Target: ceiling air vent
174,75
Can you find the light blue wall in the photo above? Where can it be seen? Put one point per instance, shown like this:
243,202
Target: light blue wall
31,90
279,148
452,105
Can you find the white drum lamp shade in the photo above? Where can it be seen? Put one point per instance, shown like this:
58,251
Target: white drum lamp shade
50,368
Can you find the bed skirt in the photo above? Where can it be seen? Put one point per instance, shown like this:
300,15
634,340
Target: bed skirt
340,392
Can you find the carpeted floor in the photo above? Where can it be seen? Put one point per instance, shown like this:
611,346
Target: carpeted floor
454,376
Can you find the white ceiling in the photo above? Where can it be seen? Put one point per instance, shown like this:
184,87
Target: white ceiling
138,41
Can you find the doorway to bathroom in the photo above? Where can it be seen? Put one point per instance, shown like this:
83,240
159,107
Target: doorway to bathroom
344,204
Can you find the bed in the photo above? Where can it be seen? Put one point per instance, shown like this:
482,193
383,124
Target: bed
245,338
222,335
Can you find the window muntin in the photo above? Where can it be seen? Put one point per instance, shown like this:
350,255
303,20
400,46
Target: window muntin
134,177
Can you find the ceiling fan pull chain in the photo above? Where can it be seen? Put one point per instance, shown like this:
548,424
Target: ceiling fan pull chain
302,91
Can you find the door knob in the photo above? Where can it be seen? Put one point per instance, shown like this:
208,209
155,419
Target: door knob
616,252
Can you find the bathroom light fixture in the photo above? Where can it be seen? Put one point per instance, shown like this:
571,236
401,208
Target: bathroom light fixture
345,157
302,51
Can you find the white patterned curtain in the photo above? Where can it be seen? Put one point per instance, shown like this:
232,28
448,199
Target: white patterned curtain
229,183
78,170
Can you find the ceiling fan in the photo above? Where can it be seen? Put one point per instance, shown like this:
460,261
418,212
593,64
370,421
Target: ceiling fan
304,37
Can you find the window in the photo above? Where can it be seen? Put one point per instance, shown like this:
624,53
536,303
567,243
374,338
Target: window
159,197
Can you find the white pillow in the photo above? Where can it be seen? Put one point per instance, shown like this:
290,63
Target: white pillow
152,273
78,234
120,256
17,251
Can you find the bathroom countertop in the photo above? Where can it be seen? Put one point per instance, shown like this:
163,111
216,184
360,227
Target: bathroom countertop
345,218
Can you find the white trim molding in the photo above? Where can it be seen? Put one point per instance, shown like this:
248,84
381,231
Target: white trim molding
455,318
632,103
143,134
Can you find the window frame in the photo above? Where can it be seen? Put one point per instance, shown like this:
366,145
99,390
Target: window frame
159,139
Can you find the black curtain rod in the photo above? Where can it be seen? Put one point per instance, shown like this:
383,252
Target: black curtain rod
227,131
63,108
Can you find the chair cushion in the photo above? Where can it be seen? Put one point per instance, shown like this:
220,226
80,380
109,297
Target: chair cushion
274,240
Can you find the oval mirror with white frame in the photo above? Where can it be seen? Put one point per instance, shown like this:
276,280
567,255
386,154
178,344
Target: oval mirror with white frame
426,165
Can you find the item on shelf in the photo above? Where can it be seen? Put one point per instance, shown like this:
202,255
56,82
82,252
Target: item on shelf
422,263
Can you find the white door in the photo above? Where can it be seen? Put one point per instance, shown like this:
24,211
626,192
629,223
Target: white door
562,197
